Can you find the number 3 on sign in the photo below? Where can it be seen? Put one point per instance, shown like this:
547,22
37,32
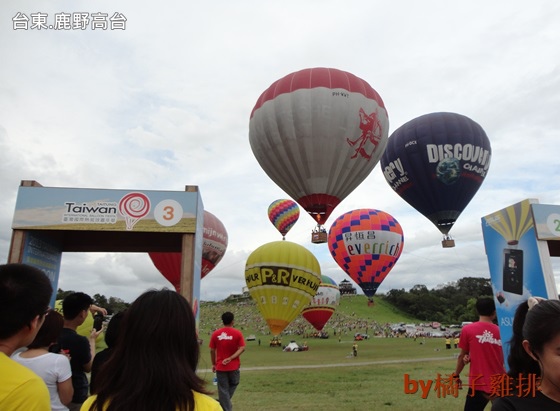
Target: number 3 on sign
168,212
553,224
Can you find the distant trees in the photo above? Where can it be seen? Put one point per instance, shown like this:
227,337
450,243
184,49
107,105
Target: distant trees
111,304
451,303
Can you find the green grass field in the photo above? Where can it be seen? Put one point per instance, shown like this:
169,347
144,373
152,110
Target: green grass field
326,377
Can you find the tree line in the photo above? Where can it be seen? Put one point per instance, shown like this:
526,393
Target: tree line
112,304
451,303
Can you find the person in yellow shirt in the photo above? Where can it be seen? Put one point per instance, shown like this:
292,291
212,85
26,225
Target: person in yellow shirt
153,364
25,293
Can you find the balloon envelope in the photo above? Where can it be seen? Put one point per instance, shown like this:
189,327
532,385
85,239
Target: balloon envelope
214,245
318,133
436,163
283,214
282,278
324,303
366,244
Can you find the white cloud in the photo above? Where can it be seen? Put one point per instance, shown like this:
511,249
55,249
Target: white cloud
166,103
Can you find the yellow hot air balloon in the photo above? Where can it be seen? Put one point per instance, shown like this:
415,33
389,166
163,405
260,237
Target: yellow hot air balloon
282,277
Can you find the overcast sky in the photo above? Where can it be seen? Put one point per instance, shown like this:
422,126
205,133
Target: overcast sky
166,103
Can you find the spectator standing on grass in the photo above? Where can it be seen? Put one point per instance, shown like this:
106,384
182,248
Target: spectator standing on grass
481,347
534,353
75,309
226,345
53,368
355,349
25,293
153,365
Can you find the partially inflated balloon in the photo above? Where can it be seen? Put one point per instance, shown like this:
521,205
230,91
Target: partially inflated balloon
324,304
366,244
318,133
282,278
283,214
214,245
436,163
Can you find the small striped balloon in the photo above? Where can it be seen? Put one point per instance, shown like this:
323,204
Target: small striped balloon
283,214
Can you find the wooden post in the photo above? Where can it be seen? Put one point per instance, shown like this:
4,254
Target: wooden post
16,246
30,183
186,284
15,254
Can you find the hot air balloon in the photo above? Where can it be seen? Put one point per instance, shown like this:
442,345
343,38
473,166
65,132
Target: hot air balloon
214,245
282,278
283,214
318,133
436,163
324,304
366,244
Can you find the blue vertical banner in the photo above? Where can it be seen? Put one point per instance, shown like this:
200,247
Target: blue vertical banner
45,254
519,262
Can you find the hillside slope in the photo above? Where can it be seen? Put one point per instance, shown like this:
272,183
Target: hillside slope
352,315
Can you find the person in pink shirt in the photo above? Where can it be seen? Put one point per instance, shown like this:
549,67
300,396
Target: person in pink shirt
226,345
481,347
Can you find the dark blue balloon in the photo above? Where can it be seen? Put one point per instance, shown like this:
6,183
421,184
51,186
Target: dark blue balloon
437,162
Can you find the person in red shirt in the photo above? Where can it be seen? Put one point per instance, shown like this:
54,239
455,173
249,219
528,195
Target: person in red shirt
481,346
226,345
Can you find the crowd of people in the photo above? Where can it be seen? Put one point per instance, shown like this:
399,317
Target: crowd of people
153,352
340,324
151,365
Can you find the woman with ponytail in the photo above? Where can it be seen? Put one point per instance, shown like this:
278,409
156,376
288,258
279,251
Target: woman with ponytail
534,353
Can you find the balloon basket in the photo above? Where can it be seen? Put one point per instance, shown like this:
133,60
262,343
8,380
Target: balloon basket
448,243
319,238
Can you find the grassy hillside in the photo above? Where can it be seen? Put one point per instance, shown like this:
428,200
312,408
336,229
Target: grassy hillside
381,311
352,315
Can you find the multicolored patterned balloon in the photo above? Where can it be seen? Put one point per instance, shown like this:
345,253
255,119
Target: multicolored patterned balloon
366,244
283,214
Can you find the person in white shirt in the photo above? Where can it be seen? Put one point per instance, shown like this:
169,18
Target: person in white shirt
53,368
